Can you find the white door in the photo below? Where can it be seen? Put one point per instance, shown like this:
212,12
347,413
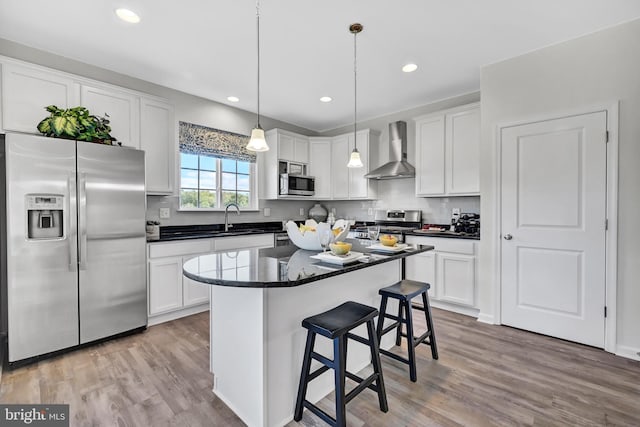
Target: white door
553,227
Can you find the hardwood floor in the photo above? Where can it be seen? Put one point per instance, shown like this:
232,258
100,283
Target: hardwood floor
486,375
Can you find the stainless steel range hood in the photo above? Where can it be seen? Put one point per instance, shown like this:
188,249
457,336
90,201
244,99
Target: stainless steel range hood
397,167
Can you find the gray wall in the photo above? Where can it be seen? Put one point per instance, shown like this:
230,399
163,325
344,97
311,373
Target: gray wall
188,108
595,69
400,193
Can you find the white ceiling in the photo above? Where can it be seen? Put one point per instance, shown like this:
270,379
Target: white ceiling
208,47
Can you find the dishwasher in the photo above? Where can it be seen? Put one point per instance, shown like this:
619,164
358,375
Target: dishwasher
281,238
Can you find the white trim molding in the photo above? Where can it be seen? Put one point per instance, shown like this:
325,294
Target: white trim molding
628,352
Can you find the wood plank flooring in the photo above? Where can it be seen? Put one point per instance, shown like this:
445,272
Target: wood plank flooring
486,376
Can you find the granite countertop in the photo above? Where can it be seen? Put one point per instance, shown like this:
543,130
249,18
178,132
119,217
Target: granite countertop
282,266
445,234
187,232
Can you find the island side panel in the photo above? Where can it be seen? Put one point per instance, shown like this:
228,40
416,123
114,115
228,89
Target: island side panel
237,350
285,337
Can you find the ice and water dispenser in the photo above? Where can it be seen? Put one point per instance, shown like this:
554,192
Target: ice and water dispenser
44,216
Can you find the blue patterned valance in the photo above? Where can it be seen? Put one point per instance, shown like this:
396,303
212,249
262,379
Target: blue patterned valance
196,139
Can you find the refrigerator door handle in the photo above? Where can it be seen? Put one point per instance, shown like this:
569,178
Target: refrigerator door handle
73,223
82,221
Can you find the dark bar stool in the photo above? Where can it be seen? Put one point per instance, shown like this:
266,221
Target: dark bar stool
335,324
404,291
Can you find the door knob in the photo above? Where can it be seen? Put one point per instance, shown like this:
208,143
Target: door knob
508,237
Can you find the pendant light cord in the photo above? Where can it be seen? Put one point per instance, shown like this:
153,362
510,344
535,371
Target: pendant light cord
258,38
355,90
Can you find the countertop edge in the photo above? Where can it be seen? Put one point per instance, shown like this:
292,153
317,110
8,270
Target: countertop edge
292,283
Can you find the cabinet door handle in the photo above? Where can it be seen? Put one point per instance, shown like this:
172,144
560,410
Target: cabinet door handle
508,237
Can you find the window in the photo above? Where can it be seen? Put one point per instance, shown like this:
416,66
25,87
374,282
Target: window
215,169
212,182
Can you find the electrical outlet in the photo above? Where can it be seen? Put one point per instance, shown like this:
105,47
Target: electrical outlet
370,212
165,213
455,211
302,211
267,212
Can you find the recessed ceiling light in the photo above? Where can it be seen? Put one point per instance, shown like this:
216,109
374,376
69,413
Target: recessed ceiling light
233,98
128,16
409,68
326,99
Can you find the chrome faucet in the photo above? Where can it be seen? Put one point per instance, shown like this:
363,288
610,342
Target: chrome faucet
226,215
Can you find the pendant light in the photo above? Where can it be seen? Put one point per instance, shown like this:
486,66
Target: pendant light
257,142
354,160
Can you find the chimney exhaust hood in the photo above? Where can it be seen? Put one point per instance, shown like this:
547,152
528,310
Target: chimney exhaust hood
397,167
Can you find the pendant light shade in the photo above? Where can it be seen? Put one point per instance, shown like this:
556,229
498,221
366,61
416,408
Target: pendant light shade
257,142
354,160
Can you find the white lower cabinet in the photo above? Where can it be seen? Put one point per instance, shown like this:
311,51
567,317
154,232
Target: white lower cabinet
166,293
422,267
457,278
450,269
173,295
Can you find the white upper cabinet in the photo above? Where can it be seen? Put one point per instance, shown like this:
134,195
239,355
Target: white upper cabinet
339,171
136,119
291,147
350,183
283,146
157,139
430,159
122,107
26,91
301,149
447,152
326,158
359,186
462,144
320,166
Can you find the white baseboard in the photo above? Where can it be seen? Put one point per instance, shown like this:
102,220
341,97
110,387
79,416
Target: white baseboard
467,311
628,352
173,315
486,318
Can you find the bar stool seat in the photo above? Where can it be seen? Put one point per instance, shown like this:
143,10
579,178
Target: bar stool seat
336,325
404,291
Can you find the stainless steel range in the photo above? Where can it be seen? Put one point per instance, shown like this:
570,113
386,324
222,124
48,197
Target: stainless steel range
393,222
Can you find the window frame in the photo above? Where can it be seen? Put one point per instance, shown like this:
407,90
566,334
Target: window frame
253,185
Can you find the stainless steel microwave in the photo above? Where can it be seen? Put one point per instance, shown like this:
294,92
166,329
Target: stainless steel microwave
297,185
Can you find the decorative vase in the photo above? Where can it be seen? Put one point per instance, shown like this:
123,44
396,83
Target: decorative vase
318,212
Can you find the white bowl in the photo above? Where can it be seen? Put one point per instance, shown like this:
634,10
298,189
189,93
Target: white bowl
310,240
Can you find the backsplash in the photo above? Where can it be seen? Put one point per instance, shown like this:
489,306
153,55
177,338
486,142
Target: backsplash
280,210
393,194
400,194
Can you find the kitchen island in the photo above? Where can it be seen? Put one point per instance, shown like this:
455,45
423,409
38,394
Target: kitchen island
258,300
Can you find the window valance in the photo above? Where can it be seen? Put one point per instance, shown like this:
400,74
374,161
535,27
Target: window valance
197,139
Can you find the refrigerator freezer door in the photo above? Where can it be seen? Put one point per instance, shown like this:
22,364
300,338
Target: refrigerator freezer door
42,277
112,239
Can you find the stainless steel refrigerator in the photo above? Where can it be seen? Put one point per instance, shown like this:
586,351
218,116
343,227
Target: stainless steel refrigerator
74,243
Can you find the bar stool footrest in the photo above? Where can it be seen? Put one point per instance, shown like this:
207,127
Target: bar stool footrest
315,374
422,339
389,328
320,413
324,360
394,356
